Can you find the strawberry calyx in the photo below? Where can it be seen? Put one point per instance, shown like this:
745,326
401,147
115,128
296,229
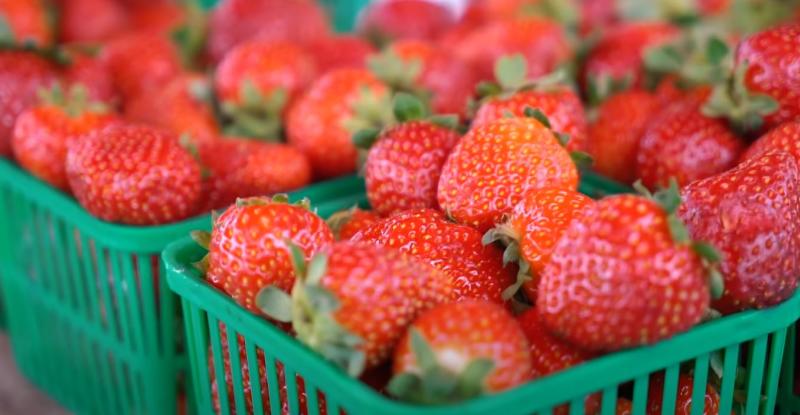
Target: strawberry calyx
339,219
599,88
682,12
310,308
700,56
434,382
202,238
511,76
75,102
256,115
732,99
190,36
399,74
581,159
509,237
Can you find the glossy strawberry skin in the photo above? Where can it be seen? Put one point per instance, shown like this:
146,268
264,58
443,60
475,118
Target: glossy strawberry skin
784,137
476,271
772,56
27,21
339,51
381,291
140,61
158,17
314,123
243,168
248,248
683,143
683,399
43,134
471,330
562,107
540,219
406,19
108,18
403,168
269,65
23,75
549,354
359,220
617,267
134,175
615,133
494,165
750,214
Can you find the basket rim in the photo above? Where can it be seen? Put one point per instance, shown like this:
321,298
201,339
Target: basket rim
578,381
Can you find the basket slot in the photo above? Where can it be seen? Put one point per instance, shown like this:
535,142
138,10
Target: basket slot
218,365
109,310
758,351
129,300
88,305
59,260
119,303
254,357
312,394
272,383
670,391
69,262
640,385
144,278
576,406
609,401
195,320
293,392
778,341
788,400
39,266
700,384
232,351
729,368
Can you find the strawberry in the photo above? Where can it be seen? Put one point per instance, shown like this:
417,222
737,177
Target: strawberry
750,213
457,351
495,164
541,41
88,72
339,51
416,65
25,21
42,134
140,62
243,168
23,74
160,17
189,113
403,167
406,19
682,143
236,21
134,175
532,230
784,137
683,399
108,19
256,79
247,247
597,15
476,271
624,407
617,57
347,223
614,134
353,302
318,122
625,265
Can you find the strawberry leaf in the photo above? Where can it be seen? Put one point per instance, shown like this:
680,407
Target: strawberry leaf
487,88
366,138
316,269
202,238
407,107
298,258
716,50
426,359
449,121
511,71
581,159
707,251
538,115
472,380
275,303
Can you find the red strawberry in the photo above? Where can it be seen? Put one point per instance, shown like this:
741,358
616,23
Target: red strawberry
751,214
784,137
624,407
27,21
90,73
22,76
549,354
597,15
189,111
683,399
236,21
620,266
134,175
347,223
42,134
243,168
403,167
542,42
532,230
406,19
318,122
160,17
255,81
108,19
614,135
682,143
339,51
354,300
495,164
473,347
140,62
476,271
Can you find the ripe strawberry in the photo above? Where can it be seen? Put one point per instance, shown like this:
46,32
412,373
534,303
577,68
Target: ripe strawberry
88,72
476,271
624,407
243,168
406,19
159,17
353,302
750,213
784,137
627,266
256,80
108,19
134,175
42,134
26,21
495,164
614,135
683,398
460,350
140,62
347,223
22,76
596,16
682,143
189,112
339,51
247,248
541,41
318,122
236,21
532,230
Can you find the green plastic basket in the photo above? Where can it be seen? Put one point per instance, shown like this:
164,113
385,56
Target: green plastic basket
90,321
343,13
789,393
